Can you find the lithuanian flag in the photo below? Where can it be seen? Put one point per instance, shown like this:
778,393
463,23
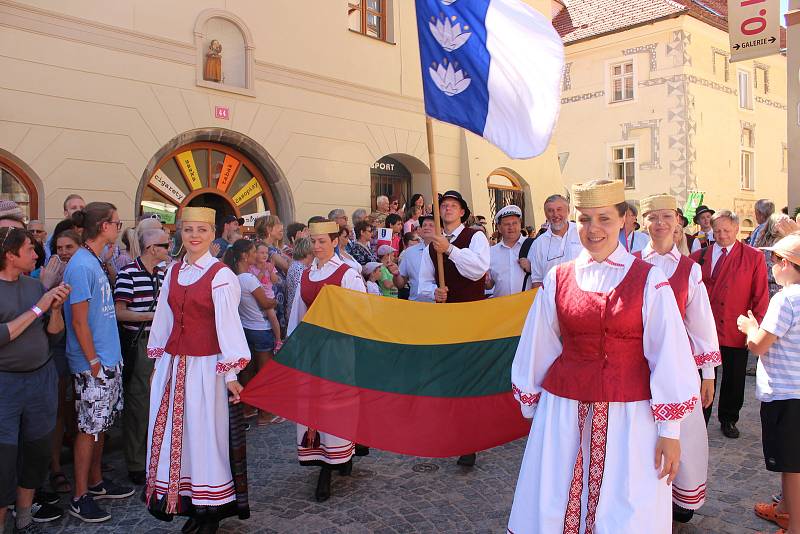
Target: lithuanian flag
413,378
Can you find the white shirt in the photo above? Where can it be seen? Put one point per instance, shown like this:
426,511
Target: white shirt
696,242
699,320
472,263
716,253
249,310
225,293
411,259
633,242
666,347
505,270
350,280
550,250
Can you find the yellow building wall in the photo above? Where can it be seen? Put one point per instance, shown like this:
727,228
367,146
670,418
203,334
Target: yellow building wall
690,109
92,90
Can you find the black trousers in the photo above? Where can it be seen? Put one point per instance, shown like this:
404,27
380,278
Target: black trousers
731,393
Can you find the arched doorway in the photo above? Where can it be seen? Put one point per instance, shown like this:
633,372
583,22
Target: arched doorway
391,178
505,189
207,174
16,185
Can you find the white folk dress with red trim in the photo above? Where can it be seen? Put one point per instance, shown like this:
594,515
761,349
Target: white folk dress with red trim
566,439
331,449
689,487
203,467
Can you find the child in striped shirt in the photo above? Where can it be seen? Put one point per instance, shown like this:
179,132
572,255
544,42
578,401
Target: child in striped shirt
777,341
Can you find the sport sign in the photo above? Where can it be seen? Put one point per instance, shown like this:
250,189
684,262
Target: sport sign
754,28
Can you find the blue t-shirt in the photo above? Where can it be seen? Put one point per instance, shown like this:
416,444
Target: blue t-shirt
90,283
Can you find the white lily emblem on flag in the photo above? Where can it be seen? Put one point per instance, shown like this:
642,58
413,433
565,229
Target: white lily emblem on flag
450,36
449,80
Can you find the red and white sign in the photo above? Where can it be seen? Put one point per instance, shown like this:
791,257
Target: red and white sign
754,28
222,112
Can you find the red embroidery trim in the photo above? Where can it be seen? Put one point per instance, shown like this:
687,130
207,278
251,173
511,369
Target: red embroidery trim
155,352
597,460
662,284
176,443
158,438
691,497
673,411
708,357
613,263
219,286
224,367
572,517
528,399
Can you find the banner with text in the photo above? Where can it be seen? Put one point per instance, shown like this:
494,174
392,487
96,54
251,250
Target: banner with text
754,28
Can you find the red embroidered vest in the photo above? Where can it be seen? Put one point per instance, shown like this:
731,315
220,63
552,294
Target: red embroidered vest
309,289
602,358
194,331
679,282
459,288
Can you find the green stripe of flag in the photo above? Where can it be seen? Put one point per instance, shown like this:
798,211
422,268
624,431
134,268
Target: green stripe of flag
428,370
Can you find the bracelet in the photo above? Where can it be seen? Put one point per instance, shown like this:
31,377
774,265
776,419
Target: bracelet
94,361
37,310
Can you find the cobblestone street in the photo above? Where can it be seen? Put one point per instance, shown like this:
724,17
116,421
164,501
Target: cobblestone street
389,493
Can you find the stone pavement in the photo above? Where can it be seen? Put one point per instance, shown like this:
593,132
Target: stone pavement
389,493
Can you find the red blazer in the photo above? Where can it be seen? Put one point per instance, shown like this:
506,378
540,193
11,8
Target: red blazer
741,285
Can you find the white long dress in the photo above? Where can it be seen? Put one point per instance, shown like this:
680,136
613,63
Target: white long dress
629,495
689,487
331,450
203,467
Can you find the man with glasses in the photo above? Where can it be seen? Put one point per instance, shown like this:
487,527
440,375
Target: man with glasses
36,228
559,244
135,296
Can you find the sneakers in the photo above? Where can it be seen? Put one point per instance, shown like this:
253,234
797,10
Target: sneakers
87,510
108,490
42,512
32,528
49,497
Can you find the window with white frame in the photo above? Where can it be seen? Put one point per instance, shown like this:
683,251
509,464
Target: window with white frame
747,168
745,90
622,81
623,165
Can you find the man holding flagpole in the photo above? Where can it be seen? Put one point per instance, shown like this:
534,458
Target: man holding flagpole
467,259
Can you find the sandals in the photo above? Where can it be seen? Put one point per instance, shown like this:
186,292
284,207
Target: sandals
59,483
769,511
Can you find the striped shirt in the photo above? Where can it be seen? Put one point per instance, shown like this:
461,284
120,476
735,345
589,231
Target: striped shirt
137,288
778,372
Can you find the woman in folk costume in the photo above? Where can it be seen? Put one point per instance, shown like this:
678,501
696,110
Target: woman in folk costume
686,279
604,369
313,447
196,447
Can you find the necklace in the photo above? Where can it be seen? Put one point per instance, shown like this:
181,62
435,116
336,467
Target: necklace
102,265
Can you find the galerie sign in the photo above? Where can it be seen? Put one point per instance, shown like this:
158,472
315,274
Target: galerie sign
754,28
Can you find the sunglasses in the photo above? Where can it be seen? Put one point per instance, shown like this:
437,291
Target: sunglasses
165,246
776,258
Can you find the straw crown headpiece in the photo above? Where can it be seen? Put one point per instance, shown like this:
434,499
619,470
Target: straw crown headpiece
320,228
661,201
598,195
193,214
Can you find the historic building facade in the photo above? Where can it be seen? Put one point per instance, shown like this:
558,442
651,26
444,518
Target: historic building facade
649,97
263,106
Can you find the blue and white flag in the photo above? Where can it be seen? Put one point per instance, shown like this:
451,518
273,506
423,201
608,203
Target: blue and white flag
493,67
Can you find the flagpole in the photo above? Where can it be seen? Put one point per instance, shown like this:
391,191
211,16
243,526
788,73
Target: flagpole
437,221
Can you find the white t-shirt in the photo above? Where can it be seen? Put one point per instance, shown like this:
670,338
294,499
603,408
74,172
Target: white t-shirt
372,288
778,371
249,312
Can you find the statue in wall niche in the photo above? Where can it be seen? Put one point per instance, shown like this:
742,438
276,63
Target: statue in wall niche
213,68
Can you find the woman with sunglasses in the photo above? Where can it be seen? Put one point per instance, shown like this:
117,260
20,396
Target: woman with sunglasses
360,249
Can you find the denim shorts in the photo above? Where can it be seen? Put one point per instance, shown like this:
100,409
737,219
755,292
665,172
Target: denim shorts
260,340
